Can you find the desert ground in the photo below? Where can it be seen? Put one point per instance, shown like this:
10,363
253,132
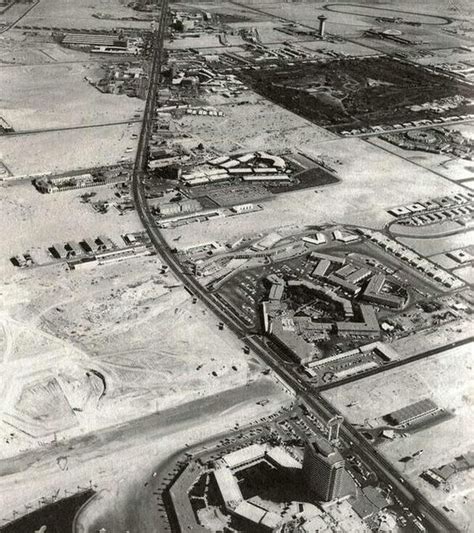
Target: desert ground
33,99
372,181
126,322
447,380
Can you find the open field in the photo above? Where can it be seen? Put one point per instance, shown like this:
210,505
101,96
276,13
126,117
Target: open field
437,245
21,47
121,340
79,14
454,168
117,461
150,347
447,380
32,98
256,124
33,221
371,182
93,147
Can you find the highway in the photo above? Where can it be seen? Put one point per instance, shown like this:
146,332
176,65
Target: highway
411,498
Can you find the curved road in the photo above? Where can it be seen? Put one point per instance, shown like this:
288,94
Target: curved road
410,497
339,8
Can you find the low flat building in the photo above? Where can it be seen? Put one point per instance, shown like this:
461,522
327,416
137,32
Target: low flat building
412,412
374,293
351,288
317,256
369,325
321,268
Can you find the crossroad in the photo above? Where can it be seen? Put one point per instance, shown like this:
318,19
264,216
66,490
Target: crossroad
407,495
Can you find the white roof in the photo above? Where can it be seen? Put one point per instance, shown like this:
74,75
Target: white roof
228,486
249,453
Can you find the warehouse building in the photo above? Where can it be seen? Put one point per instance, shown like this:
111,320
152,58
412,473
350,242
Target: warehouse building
412,412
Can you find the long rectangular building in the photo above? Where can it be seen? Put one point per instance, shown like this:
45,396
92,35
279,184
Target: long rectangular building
413,411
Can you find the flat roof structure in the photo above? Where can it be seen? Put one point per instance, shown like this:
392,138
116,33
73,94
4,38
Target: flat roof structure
75,248
316,256
345,271
276,292
373,293
93,39
60,250
351,288
413,411
359,275
179,493
91,245
321,268
244,456
228,485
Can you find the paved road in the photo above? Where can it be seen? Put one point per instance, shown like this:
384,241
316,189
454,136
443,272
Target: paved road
67,128
336,8
434,519
15,22
396,364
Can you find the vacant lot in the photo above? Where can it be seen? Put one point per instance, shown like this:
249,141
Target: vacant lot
252,124
447,380
121,340
52,152
82,14
58,96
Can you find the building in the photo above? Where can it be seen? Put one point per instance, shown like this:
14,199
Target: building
176,208
359,275
344,237
284,334
322,268
460,256
316,256
324,471
319,238
374,293
410,413
95,39
368,327
243,208
348,287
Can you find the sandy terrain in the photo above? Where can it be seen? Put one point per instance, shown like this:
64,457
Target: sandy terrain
256,125
440,244
116,461
51,152
20,47
372,182
125,322
453,168
32,98
447,380
33,221
466,273
79,14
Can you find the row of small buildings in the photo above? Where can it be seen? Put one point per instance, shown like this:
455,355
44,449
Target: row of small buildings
413,259
421,207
